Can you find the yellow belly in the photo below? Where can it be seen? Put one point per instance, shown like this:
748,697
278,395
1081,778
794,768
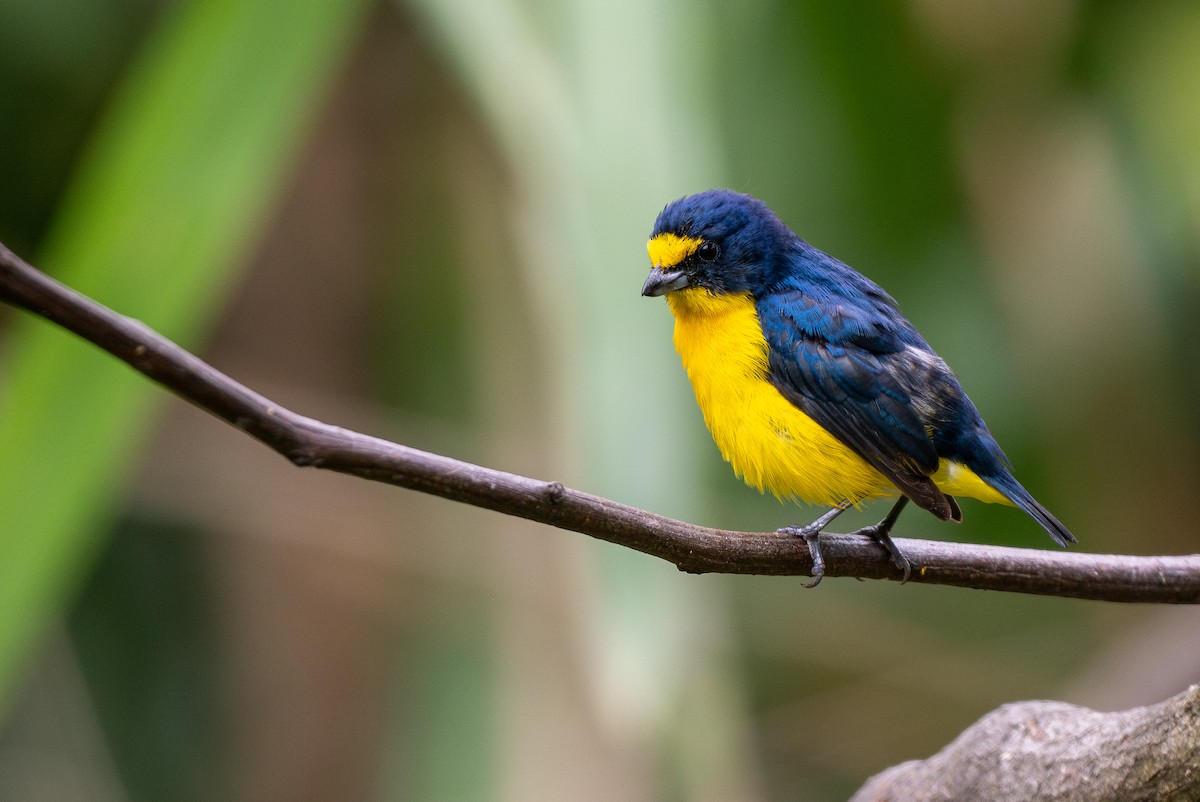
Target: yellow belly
769,442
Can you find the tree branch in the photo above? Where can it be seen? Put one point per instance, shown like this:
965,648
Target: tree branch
695,549
1057,751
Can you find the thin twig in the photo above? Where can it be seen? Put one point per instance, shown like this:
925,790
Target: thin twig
695,549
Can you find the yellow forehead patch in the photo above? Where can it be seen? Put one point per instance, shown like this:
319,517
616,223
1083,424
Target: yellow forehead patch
667,250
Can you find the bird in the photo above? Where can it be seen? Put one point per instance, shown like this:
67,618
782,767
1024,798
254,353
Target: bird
812,383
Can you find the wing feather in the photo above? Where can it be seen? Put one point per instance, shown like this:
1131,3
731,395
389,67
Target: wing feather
857,372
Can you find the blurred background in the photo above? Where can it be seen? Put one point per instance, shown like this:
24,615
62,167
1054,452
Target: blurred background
427,220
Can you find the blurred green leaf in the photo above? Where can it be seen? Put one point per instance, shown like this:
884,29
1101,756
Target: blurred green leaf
445,747
144,633
178,179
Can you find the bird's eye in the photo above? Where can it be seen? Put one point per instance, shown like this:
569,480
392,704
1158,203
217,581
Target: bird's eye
707,251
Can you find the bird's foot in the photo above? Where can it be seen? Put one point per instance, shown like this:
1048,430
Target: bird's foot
811,535
881,534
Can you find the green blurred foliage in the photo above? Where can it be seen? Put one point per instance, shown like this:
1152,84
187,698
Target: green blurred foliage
72,52
146,647
431,226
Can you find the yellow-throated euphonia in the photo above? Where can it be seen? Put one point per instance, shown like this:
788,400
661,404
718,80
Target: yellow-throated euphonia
812,382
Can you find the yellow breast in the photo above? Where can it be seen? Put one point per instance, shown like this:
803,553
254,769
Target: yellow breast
770,443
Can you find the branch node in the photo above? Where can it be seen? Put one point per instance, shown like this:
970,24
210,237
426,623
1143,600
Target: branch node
554,492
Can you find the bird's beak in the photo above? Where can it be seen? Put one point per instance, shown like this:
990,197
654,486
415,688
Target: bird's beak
660,282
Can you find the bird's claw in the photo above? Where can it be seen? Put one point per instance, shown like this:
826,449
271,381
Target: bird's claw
879,532
811,535
880,535
818,561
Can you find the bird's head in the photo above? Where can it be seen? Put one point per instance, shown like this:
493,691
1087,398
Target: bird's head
714,243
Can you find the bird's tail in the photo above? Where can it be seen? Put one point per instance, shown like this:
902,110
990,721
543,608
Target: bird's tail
1018,495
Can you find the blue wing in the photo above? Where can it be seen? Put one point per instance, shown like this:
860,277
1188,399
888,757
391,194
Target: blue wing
861,371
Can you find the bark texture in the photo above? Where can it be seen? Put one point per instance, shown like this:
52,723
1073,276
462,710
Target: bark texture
1058,751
